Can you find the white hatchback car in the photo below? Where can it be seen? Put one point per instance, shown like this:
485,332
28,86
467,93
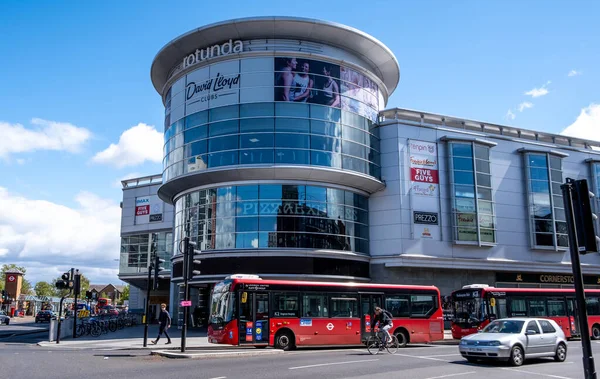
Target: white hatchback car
514,340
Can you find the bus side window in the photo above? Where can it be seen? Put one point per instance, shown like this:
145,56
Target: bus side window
501,308
556,307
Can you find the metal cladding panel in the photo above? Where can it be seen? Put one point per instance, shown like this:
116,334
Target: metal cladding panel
365,183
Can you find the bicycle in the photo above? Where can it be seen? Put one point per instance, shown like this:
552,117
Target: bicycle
375,344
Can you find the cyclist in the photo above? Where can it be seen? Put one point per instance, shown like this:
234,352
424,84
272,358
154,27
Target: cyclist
385,322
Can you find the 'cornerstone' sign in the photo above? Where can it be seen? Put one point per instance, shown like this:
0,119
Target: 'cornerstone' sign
543,278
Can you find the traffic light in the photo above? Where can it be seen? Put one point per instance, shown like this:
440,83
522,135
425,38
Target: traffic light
65,281
4,296
157,268
192,262
585,219
88,295
77,285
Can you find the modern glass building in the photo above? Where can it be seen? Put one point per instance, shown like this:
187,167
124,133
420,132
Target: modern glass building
281,159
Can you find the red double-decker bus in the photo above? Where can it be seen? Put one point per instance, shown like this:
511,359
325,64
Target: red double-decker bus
246,310
476,305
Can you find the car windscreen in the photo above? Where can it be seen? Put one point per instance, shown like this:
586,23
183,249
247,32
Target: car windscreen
504,326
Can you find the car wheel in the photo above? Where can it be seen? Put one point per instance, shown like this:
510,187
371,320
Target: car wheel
516,356
596,332
284,341
561,353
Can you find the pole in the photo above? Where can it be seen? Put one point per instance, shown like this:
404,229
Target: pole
147,310
59,321
186,295
589,368
76,290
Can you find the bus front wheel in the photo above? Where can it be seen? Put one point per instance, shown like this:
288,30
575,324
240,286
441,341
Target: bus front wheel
596,332
284,341
402,338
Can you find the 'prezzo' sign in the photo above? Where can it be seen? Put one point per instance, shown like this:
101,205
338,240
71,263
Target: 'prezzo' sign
229,47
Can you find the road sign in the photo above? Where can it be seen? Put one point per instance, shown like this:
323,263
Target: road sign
186,303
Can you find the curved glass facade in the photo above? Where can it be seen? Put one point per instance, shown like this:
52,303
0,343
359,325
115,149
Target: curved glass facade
273,216
271,134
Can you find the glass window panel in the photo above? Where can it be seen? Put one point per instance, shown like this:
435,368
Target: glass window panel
422,305
538,173
255,140
223,159
246,208
484,193
464,191
316,194
354,149
463,177
223,143
344,306
485,207
556,176
247,192
354,134
543,226
256,156
246,224
257,110
462,150
225,225
224,113
556,307
224,127
196,148
325,128
267,224
299,141
463,164
325,113
465,205
555,163
296,125
246,241
196,119
482,166
325,143
484,180
374,142
487,235
544,239
249,125
270,191
353,119
287,156
556,188
537,308
354,164
291,110
537,160
561,227
486,221
285,304
466,234
195,134
539,186
562,240
293,192
225,241
318,158
482,152
559,214
398,305
314,306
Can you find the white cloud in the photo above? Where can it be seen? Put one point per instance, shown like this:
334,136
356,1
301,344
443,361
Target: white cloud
574,73
47,135
118,184
43,236
537,92
525,105
136,145
510,115
587,124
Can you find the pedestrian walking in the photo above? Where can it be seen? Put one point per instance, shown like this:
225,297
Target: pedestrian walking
165,323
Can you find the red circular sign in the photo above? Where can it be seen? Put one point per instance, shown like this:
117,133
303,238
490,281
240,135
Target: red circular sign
11,278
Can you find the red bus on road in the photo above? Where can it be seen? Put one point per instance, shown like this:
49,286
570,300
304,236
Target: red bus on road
476,305
246,310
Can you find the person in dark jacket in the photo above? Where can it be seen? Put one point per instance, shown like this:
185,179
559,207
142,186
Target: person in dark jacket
385,322
165,323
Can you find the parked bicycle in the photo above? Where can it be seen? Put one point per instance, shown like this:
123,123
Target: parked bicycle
96,326
375,343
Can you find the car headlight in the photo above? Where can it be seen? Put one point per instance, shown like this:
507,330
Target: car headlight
463,342
495,343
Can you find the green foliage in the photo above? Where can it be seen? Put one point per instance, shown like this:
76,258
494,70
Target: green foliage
44,289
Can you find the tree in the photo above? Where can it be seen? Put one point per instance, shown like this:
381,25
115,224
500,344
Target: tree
124,294
26,288
44,289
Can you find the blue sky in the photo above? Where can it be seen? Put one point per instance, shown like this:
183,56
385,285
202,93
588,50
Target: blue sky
83,69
